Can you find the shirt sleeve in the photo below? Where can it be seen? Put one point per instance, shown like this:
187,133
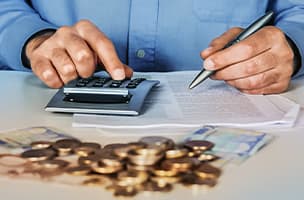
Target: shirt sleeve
290,19
18,23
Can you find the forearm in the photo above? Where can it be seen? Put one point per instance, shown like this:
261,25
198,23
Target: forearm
18,23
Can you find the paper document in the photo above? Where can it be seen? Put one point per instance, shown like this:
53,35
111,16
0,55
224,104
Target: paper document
172,104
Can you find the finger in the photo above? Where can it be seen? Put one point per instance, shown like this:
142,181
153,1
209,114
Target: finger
103,47
219,42
128,71
81,55
256,65
43,69
64,65
275,88
246,49
258,81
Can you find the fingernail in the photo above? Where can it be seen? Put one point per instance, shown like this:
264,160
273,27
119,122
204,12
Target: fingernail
209,64
208,49
47,74
118,74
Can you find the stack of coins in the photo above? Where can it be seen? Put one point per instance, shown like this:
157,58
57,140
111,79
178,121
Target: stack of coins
150,164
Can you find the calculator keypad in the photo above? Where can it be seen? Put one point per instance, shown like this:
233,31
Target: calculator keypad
108,82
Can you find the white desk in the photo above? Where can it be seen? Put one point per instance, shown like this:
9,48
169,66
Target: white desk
276,172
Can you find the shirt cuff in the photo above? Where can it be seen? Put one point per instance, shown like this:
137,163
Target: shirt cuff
16,35
295,31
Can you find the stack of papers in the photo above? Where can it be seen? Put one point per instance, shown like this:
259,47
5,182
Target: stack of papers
172,104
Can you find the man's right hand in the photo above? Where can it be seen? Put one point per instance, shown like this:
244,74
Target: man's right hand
57,58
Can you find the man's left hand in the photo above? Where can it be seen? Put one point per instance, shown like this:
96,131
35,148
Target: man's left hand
260,64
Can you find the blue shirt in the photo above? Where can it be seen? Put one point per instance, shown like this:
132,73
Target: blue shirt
151,35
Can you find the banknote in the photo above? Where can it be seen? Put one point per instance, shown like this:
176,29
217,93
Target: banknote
20,139
232,143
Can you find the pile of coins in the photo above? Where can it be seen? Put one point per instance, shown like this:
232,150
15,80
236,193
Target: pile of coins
150,164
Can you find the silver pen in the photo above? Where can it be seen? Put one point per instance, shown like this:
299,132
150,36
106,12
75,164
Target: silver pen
255,26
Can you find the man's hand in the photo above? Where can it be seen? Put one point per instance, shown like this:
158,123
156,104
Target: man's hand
260,64
74,51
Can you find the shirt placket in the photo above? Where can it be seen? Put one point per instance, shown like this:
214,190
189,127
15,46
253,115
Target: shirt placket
142,34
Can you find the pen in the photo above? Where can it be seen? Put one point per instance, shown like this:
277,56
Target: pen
255,26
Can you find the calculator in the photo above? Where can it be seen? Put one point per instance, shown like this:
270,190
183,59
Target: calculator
102,95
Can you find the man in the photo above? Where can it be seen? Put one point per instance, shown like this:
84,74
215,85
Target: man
62,39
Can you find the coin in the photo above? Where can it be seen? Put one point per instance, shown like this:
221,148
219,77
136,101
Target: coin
131,178
159,171
158,141
11,160
207,171
84,151
41,144
51,164
93,145
123,151
101,168
145,159
164,180
153,186
207,157
88,160
78,170
66,146
191,179
179,164
95,181
176,153
39,154
146,168
124,191
199,145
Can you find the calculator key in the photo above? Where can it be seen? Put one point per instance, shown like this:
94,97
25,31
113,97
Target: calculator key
131,86
80,84
97,84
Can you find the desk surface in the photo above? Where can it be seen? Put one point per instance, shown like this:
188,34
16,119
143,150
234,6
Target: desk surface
276,172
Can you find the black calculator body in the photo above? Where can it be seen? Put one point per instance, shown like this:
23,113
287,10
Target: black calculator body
102,95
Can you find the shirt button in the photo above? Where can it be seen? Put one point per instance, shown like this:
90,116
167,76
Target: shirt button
140,53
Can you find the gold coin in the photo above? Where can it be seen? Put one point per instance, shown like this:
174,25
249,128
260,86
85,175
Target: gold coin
84,151
206,157
41,144
158,171
11,160
146,168
124,191
176,153
78,170
179,164
123,151
51,164
191,179
206,171
88,160
199,145
95,181
163,180
66,146
101,168
39,154
131,178
153,186
93,145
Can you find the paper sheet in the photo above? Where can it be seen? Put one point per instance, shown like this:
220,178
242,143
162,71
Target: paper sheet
213,102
